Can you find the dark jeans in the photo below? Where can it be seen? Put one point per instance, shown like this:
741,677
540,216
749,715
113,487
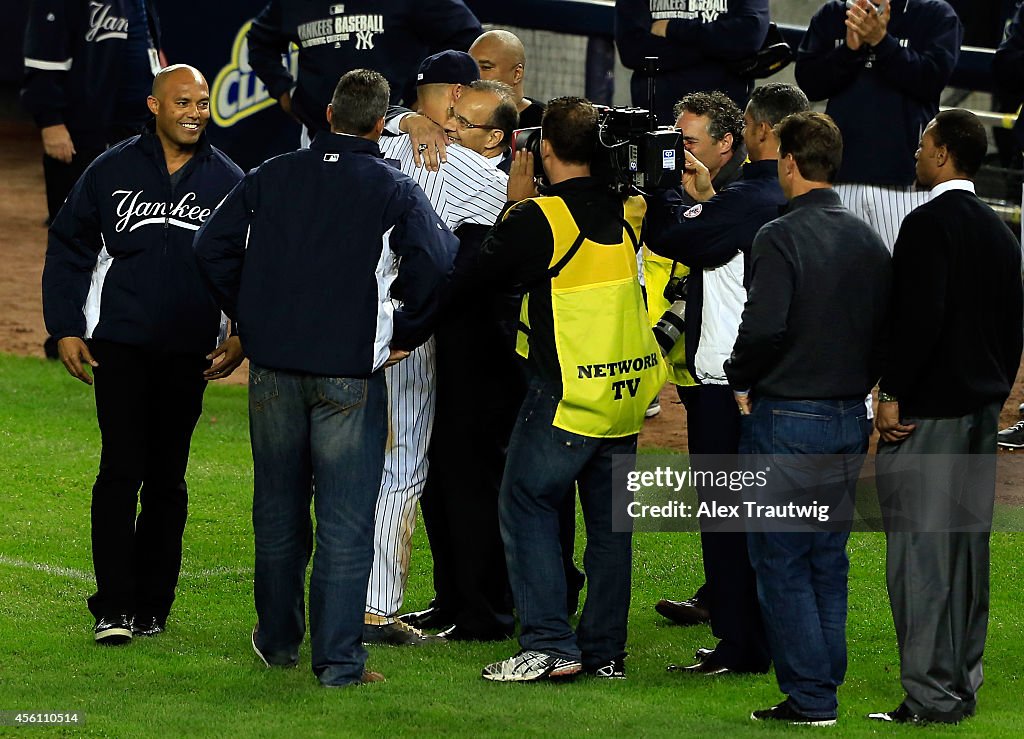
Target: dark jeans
802,575
543,462
147,405
328,433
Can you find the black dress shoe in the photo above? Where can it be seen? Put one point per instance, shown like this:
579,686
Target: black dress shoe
709,666
683,612
458,633
145,625
429,618
904,715
702,654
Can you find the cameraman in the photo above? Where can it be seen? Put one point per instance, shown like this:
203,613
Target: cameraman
715,237
583,321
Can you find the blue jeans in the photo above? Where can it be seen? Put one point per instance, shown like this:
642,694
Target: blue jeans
322,434
802,575
543,463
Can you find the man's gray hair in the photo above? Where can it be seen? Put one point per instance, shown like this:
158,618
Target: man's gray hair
360,101
772,102
505,116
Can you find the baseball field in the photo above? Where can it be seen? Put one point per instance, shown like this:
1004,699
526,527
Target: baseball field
201,678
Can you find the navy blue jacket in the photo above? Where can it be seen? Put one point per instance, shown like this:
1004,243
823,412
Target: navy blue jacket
303,253
697,50
119,264
713,234
390,36
73,52
881,98
1008,66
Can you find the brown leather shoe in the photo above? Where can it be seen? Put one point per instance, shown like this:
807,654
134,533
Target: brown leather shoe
367,677
683,612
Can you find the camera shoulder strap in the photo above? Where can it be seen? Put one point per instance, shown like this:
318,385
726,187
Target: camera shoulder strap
558,266
574,249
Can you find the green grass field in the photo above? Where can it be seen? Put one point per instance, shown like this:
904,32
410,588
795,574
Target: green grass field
201,678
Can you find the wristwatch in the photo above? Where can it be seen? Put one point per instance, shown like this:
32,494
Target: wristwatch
884,397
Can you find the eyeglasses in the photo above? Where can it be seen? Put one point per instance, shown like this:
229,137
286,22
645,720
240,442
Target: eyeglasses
463,123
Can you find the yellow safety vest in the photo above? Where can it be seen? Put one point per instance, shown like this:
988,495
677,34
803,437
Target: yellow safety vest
657,272
610,364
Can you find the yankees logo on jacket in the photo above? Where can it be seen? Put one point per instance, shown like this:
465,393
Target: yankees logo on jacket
391,37
132,278
702,39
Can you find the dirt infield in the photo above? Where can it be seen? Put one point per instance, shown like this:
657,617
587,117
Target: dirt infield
23,243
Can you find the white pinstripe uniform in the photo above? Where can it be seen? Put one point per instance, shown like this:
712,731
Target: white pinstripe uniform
883,208
468,189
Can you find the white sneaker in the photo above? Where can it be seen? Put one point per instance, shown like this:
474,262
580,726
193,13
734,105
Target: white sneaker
529,665
653,409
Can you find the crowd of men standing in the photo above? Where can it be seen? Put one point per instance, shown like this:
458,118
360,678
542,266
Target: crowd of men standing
822,252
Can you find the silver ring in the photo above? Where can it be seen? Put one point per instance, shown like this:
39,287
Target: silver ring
422,147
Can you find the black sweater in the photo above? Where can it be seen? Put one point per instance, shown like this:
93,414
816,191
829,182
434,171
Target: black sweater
819,292
958,309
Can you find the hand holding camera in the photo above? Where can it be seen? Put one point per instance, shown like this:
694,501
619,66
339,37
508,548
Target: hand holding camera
521,183
696,178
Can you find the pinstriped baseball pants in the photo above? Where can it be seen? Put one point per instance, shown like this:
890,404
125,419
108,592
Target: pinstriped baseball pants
882,208
412,398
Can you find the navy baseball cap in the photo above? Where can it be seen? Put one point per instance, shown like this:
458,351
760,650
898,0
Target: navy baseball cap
448,68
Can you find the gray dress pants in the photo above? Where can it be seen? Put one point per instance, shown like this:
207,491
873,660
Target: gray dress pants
938,519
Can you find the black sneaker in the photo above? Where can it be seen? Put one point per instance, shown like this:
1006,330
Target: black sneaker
145,625
113,630
1013,437
614,669
787,714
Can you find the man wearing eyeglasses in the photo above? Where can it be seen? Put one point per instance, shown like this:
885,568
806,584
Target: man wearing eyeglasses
469,189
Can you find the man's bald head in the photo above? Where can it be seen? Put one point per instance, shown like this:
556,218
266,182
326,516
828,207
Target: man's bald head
180,102
501,57
177,74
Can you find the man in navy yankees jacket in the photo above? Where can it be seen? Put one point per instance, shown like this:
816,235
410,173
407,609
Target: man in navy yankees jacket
696,42
881,64
88,69
391,37
121,293
305,253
